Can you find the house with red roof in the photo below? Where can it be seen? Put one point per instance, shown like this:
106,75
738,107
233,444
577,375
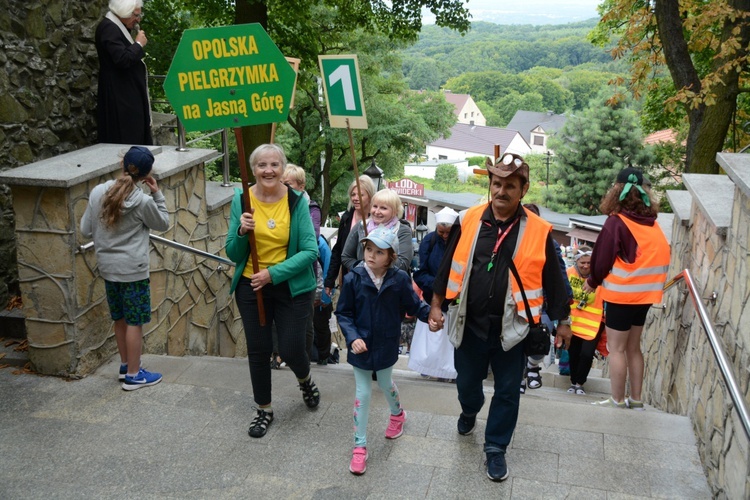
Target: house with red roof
466,109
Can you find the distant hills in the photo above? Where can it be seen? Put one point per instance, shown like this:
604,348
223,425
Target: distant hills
536,12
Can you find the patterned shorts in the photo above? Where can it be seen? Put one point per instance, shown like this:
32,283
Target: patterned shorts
131,301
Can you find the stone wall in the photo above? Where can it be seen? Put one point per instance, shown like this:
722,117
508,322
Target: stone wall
47,95
711,238
67,318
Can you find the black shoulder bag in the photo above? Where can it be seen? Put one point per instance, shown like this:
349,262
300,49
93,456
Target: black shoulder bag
537,341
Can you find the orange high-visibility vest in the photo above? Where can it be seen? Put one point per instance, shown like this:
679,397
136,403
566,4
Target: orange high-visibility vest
529,258
640,282
584,322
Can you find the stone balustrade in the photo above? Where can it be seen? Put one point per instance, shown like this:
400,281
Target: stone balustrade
711,238
67,319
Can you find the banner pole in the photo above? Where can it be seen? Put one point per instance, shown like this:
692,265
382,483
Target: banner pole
251,234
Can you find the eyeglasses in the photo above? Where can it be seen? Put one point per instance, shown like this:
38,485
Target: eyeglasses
137,16
509,158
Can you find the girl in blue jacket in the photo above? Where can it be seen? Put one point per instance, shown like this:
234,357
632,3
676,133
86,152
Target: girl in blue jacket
368,312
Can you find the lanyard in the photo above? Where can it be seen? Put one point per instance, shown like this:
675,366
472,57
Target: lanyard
500,237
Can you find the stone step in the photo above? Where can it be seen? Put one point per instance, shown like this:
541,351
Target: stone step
550,376
11,355
562,447
12,324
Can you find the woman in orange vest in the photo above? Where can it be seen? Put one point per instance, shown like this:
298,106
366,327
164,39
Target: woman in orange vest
630,261
586,314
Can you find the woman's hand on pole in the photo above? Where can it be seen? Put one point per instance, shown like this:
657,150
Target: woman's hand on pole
247,223
260,279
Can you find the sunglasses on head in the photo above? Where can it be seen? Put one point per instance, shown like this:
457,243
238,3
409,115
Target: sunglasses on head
509,158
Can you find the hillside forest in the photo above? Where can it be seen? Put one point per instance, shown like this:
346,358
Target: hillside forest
566,69
514,67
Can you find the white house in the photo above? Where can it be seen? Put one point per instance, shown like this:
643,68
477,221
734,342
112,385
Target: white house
466,109
427,169
536,128
466,141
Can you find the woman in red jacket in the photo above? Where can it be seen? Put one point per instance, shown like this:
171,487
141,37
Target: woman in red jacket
630,261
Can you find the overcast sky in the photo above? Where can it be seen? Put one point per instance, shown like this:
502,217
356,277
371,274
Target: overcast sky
529,11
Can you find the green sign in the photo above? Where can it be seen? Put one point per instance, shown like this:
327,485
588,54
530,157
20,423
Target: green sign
229,76
343,90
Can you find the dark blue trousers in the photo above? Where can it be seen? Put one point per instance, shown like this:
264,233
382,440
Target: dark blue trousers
472,360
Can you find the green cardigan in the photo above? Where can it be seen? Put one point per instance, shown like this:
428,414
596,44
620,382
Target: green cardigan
302,251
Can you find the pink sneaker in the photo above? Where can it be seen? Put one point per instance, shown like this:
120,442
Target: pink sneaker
396,426
358,464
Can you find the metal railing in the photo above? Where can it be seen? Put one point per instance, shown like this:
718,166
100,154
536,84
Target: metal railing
724,364
182,144
179,246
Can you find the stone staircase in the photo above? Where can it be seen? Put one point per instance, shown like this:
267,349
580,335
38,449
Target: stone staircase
13,342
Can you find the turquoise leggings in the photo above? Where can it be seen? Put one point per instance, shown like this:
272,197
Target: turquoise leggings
363,394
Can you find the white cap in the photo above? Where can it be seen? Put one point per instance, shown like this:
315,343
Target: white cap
446,216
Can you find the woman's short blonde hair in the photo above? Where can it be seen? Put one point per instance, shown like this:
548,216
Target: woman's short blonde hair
295,173
365,184
390,198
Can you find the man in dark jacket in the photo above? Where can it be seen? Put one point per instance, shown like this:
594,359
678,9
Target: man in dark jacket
123,108
491,317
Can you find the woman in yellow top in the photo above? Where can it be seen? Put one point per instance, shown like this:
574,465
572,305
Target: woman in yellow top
630,261
286,247
586,316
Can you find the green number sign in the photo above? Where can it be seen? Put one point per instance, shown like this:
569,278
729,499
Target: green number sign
343,91
229,76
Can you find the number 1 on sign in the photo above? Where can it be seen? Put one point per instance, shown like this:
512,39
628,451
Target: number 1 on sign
343,90
343,74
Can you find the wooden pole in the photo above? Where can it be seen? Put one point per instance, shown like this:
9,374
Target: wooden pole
497,153
250,235
356,177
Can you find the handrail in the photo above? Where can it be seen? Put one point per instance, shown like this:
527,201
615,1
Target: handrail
724,364
173,244
182,144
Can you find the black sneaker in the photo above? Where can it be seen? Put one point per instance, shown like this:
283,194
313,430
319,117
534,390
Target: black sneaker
259,425
310,393
466,424
497,469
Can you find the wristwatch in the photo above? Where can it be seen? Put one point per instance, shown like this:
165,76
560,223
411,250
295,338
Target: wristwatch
565,321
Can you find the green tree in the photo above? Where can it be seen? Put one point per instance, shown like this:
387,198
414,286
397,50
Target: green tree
585,84
425,75
494,119
446,178
589,151
703,44
476,161
400,122
372,29
164,22
507,105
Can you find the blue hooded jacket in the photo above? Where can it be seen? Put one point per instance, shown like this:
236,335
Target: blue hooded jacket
373,315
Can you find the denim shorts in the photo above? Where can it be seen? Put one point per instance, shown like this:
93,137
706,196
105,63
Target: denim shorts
131,301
